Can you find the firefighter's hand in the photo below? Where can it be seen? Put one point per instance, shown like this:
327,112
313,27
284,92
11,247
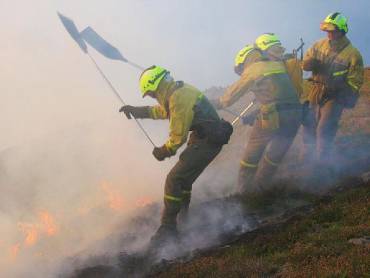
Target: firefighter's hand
160,153
134,111
249,120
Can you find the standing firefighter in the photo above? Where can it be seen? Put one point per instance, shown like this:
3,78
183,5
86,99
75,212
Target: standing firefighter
337,75
263,72
187,110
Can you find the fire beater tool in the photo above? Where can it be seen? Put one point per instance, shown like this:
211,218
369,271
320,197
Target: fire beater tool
89,36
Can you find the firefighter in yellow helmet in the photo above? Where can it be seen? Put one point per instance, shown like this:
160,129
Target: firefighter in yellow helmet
263,72
337,75
187,110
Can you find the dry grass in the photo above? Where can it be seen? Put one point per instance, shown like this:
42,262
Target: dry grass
315,245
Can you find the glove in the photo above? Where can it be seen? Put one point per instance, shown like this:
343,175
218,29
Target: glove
138,112
160,153
250,118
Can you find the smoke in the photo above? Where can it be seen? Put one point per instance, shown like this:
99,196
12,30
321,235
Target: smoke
72,170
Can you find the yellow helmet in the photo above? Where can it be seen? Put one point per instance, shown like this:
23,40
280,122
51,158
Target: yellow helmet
150,79
243,54
267,40
334,21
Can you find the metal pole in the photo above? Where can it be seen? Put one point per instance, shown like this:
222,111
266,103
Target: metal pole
242,113
135,65
119,97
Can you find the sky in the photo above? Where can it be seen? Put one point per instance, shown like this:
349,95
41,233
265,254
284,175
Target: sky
195,40
61,119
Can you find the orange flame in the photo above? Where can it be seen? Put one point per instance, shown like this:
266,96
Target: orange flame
115,200
30,232
14,251
48,223
143,202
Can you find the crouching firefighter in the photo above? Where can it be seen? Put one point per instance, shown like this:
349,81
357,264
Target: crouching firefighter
187,110
263,72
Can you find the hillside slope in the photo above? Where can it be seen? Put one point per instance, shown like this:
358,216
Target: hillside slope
317,244
313,244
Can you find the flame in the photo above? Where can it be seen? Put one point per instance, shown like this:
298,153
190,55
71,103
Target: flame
31,233
14,251
143,202
49,226
115,200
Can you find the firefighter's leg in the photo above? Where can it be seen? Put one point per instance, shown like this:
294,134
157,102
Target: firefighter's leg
278,147
191,164
308,151
327,127
186,197
256,145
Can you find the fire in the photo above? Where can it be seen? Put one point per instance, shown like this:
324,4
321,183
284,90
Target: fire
115,200
143,201
31,233
14,250
48,223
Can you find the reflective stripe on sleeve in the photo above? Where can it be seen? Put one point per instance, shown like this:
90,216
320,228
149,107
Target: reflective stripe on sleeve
172,198
154,113
247,165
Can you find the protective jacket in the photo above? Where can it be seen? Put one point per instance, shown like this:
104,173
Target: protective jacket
268,80
337,71
186,108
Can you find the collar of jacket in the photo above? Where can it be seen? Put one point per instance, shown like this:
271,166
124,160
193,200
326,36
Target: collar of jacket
165,91
339,45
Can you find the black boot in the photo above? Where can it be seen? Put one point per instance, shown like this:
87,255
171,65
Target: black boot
166,234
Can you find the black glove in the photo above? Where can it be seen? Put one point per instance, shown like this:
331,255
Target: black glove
250,118
138,112
160,153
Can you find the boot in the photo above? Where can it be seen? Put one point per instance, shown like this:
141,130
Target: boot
165,234
245,180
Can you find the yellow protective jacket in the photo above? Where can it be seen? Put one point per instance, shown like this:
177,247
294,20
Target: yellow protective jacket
176,103
269,80
337,69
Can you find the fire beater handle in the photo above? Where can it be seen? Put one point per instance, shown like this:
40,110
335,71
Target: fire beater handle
119,97
242,113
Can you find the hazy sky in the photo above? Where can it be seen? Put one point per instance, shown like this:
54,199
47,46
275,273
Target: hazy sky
43,70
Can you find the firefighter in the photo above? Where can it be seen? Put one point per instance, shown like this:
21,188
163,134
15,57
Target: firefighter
337,75
263,72
187,110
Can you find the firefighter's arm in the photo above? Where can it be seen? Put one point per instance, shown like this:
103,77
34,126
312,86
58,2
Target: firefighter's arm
157,112
237,89
310,61
181,118
355,76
